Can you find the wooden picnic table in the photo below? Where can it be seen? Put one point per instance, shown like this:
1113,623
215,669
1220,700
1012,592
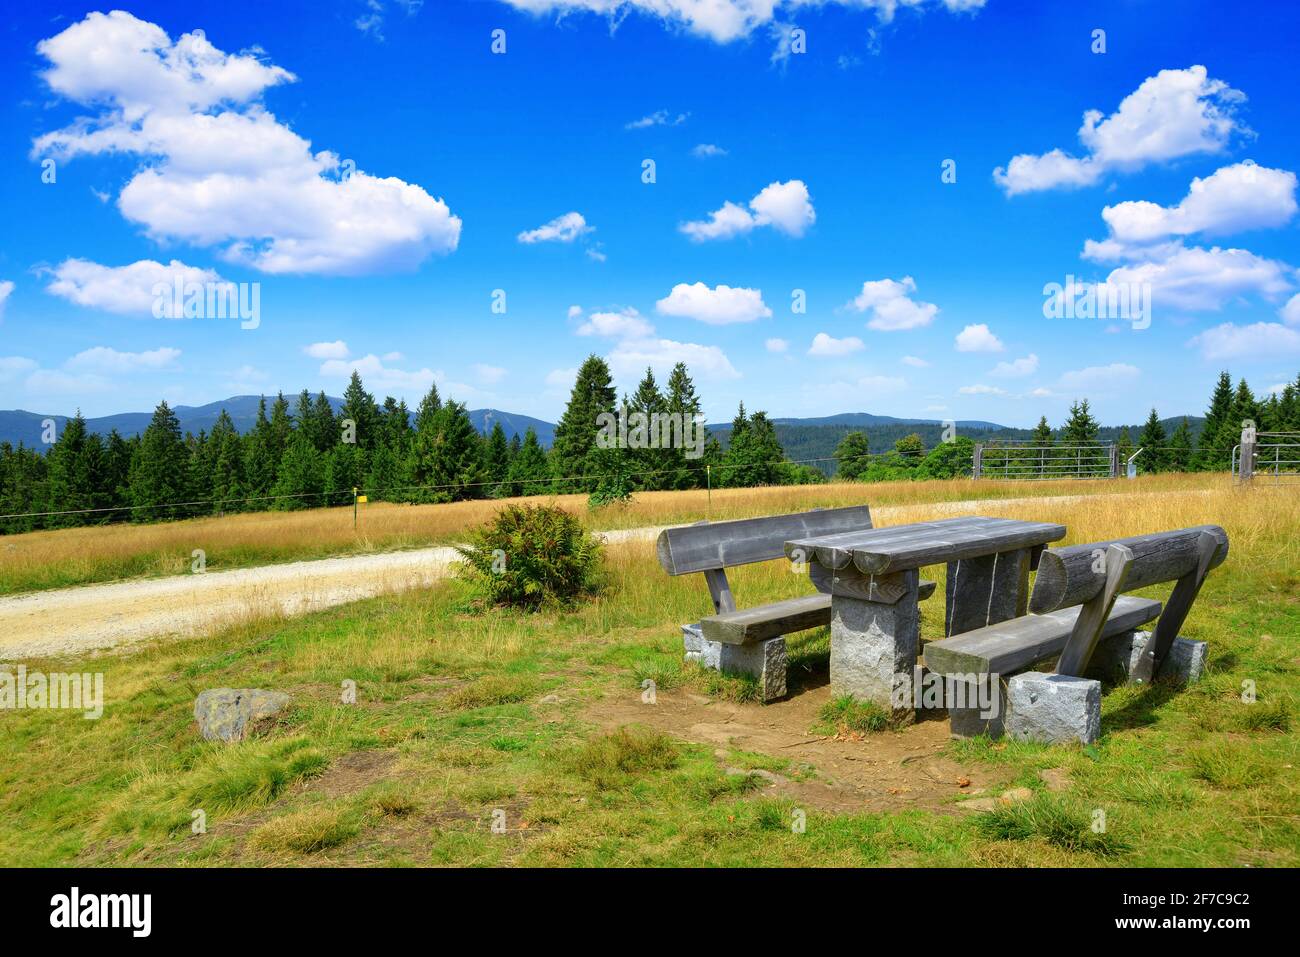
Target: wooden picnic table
873,577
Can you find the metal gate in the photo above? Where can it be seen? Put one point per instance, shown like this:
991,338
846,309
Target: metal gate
1025,462
1271,458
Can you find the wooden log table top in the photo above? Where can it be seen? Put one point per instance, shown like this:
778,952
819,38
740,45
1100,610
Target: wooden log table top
880,551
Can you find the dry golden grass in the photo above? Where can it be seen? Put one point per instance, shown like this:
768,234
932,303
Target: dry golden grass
38,560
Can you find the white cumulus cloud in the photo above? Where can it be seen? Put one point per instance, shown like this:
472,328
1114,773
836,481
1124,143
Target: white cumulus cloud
978,338
1100,378
1017,367
828,346
562,229
128,290
719,306
786,207
627,323
1260,340
338,349
102,359
724,20
891,307
1232,199
217,168
1172,114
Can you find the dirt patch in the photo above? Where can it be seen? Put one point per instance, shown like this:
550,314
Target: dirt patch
353,772
888,771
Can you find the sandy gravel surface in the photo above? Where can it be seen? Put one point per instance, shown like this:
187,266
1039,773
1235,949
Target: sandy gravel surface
94,617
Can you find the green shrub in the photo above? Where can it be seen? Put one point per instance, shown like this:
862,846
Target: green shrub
531,556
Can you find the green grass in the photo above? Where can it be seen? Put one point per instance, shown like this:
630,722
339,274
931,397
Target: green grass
465,720
846,715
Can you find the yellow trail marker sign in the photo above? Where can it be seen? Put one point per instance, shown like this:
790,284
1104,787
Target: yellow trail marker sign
362,499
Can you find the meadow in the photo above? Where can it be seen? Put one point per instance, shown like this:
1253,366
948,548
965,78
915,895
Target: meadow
53,559
504,738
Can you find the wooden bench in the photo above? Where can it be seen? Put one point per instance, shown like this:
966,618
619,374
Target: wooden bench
752,639
1078,605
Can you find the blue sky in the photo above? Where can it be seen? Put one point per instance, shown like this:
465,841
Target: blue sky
380,172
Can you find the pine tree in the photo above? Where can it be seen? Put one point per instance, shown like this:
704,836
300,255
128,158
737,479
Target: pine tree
1124,447
650,467
453,462
419,463
1154,443
117,473
1042,432
1208,456
1180,448
529,469
683,402
496,459
359,407
75,468
301,476
159,469
1078,440
575,436
754,455
852,456
388,461
260,456
226,484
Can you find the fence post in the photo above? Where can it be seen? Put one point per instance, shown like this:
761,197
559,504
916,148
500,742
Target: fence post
1246,465
977,461
1114,461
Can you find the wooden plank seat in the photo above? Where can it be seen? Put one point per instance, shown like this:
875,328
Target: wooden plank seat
778,618
1078,602
1012,646
752,639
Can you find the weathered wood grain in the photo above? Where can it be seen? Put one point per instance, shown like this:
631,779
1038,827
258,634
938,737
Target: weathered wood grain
851,583
959,543
768,621
1094,613
720,590
697,548
1175,613
1012,646
1066,576
836,551
986,590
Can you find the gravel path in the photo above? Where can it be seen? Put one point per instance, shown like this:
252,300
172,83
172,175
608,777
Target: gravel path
94,617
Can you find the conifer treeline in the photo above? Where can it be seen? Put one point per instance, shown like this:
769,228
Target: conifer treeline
307,455
300,456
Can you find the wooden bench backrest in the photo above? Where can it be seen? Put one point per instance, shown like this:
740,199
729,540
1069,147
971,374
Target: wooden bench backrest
709,546
1093,575
1073,575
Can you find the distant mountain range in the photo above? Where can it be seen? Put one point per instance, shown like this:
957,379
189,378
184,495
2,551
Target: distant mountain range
803,439
22,426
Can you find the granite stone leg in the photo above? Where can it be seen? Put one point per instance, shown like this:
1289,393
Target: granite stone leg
1116,658
984,591
766,660
976,708
874,647
693,641
698,648
1053,709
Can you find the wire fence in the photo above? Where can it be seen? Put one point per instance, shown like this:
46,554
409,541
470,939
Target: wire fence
1267,458
1026,462
528,486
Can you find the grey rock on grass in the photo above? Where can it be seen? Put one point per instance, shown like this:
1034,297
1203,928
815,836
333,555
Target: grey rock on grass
230,714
